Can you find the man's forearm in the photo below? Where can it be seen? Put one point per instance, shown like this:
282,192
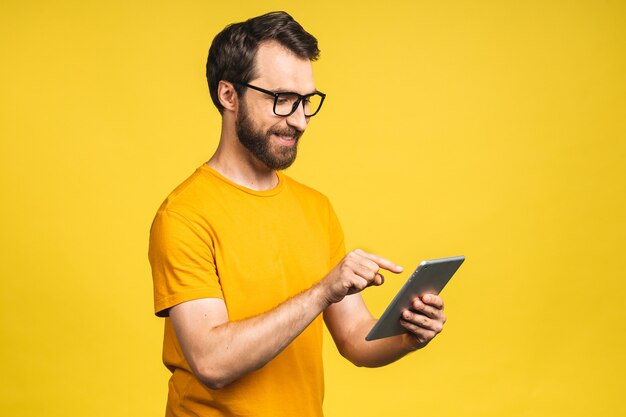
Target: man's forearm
231,350
374,353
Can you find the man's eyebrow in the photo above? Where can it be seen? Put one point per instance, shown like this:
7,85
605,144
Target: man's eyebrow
284,90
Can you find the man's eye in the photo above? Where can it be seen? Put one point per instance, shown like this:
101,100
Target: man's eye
287,99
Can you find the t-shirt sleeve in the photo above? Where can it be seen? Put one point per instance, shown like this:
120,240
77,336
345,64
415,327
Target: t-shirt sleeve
337,244
182,258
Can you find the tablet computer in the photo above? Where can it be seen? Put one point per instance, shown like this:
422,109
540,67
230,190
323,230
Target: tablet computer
429,278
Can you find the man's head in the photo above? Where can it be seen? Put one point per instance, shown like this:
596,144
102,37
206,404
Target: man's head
233,51
260,72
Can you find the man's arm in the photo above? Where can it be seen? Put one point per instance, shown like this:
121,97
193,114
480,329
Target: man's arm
220,351
349,322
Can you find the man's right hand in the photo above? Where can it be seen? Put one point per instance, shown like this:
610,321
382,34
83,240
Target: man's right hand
356,271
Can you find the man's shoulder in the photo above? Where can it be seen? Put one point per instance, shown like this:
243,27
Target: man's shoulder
193,191
304,190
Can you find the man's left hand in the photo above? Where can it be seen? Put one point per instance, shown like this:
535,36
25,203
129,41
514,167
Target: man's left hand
424,320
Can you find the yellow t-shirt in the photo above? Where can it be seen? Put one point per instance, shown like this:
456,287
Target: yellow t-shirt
213,238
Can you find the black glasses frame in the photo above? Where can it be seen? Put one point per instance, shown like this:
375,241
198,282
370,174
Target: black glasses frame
301,99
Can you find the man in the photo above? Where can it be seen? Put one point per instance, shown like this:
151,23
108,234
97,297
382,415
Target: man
245,259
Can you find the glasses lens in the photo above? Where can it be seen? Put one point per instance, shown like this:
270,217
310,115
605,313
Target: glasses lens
312,104
285,103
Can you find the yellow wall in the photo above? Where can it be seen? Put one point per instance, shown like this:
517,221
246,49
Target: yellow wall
493,129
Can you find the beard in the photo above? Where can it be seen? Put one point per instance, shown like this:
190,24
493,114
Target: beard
275,157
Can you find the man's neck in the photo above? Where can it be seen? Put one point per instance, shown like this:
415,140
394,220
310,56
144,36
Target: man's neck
243,173
233,161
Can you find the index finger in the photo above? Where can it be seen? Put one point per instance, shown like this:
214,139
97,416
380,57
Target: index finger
380,261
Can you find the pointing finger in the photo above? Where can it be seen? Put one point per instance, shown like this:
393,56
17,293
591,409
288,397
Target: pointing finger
380,261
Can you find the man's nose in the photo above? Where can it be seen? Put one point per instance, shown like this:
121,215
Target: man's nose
297,119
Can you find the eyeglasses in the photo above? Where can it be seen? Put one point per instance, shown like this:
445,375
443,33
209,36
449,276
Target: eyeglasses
285,104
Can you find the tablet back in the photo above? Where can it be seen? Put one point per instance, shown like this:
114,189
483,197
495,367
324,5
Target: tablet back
429,278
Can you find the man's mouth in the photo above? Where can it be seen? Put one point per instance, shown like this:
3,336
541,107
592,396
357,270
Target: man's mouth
286,140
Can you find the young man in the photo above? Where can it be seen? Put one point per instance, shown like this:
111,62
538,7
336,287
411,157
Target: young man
245,259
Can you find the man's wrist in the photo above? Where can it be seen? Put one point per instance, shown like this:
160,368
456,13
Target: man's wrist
320,294
410,344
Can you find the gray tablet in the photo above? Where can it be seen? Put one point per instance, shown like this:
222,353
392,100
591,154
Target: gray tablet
429,278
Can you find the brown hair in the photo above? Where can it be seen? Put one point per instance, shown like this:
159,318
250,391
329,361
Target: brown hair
232,53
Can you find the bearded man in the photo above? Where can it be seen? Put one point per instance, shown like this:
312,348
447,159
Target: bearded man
247,262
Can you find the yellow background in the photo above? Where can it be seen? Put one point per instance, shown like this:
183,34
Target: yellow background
493,129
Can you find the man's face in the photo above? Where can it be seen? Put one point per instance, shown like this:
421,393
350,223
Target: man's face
272,139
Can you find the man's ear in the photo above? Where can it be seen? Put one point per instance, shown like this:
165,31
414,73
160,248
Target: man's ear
227,95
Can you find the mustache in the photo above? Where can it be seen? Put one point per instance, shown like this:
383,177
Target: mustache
286,131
